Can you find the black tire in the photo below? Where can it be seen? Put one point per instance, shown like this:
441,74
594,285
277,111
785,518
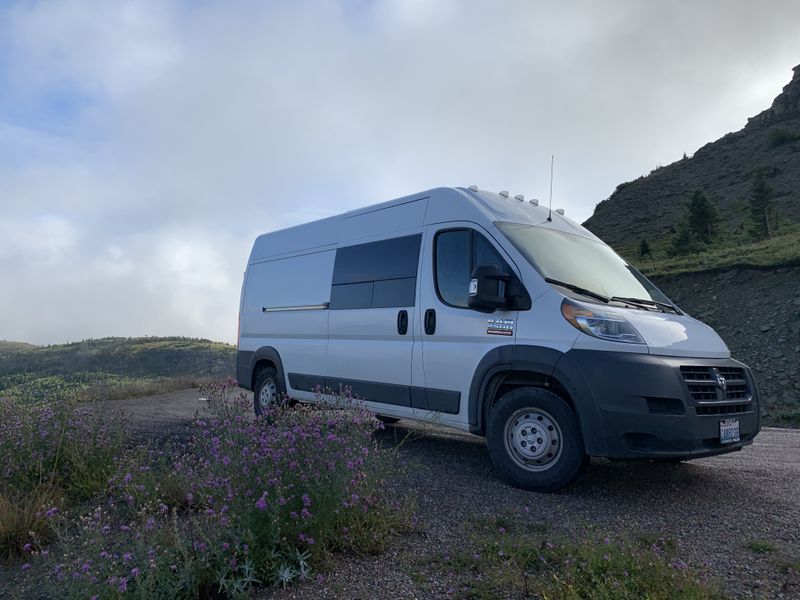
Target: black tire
267,378
387,420
533,427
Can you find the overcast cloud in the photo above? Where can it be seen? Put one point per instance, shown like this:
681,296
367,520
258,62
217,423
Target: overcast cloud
143,145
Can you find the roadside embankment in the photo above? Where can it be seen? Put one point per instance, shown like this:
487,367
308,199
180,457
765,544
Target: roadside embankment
757,313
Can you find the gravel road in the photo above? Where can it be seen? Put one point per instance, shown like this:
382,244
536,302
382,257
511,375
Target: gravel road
711,507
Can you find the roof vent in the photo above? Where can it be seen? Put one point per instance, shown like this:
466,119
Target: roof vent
504,193
560,211
519,197
534,201
473,188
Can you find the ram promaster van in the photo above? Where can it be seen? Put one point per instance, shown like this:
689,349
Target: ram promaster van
490,314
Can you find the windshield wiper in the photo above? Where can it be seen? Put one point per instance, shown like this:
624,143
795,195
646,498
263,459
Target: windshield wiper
578,289
645,303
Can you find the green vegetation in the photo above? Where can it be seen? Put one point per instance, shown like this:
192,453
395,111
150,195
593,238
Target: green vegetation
242,502
780,136
110,368
53,458
502,561
8,346
760,546
781,249
762,217
700,243
698,227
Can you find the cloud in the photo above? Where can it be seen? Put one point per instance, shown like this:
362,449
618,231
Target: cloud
154,140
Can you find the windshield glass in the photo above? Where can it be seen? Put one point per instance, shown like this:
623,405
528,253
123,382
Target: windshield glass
580,261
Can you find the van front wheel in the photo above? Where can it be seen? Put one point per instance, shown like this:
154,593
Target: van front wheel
534,440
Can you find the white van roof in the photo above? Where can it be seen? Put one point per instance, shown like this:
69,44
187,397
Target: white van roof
438,205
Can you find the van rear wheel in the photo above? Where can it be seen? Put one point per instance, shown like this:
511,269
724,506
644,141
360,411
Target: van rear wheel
268,391
534,440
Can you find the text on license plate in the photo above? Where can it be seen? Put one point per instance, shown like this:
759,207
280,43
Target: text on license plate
728,431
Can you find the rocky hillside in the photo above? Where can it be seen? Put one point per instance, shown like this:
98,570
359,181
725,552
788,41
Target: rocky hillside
650,206
757,312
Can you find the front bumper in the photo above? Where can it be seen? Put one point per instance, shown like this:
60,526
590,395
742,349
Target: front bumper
646,406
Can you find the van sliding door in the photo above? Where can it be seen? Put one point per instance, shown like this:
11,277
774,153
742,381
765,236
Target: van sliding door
371,333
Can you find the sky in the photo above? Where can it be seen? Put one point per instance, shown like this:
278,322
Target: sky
144,145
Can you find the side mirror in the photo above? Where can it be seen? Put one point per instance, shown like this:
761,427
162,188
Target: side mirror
491,289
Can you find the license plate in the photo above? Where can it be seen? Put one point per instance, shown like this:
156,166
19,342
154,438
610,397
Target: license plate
728,431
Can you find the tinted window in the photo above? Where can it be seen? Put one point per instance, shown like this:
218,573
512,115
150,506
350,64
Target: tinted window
388,259
394,292
377,274
458,252
351,295
486,255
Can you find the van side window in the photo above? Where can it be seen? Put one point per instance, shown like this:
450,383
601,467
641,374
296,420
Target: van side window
458,252
377,274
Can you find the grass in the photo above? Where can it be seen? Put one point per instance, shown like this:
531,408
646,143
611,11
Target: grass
90,387
53,459
783,249
790,567
783,415
24,519
511,562
760,546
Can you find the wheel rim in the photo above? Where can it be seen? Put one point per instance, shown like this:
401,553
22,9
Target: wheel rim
268,394
533,439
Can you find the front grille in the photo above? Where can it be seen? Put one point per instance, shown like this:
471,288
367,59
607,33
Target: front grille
718,390
723,409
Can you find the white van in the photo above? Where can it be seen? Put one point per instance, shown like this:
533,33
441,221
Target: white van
490,314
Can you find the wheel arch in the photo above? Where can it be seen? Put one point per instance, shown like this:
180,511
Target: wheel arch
508,367
251,363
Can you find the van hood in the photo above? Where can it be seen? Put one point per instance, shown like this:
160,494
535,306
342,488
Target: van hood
677,335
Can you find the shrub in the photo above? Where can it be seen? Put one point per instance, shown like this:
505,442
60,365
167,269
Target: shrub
245,501
779,137
26,519
760,546
52,458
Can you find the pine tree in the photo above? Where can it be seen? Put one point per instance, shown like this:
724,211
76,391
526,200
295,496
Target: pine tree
702,217
760,206
644,248
682,241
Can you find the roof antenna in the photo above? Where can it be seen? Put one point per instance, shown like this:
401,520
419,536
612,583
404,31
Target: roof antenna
550,213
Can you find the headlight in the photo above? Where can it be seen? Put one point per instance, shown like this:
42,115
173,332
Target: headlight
600,323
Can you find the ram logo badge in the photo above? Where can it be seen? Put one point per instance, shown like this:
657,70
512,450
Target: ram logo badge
500,327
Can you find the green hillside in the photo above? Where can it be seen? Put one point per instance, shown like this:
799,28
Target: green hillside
7,346
782,250
110,368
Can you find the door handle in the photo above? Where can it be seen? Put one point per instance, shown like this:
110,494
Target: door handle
402,322
430,321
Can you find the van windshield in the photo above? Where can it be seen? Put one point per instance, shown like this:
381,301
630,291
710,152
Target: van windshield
580,262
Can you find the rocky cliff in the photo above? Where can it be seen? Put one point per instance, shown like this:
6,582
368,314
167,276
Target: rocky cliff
650,206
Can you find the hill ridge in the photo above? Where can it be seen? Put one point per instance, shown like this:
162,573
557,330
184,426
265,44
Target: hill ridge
649,207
